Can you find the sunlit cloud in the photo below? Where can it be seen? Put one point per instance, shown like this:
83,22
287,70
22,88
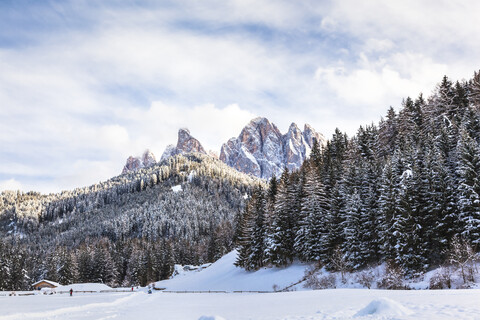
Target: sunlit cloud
85,85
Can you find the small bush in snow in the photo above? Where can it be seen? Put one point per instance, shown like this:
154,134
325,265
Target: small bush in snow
366,278
462,254
327,281
339,263
467,285
320,282
392,279
311,281
442,279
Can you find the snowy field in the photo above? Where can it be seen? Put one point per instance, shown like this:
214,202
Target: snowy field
344,303
322,304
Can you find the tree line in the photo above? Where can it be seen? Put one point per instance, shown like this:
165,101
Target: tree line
402,191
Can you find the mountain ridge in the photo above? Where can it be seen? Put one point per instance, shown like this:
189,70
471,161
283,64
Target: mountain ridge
260,149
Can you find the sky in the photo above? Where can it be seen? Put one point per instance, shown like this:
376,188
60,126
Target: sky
85,84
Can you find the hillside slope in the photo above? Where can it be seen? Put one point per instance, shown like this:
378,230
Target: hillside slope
223,275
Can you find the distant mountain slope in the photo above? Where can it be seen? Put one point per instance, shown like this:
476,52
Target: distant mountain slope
26,210
135,222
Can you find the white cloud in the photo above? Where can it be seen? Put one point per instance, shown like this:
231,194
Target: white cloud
11,185
211,125
384,81
76,102
378,45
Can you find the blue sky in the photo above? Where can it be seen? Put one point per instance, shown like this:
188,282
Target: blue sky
85,84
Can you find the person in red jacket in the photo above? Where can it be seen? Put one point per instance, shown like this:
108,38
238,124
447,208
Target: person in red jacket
71,292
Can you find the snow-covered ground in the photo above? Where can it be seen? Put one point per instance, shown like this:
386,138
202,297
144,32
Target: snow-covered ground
344,303
224,276
95,287
321,304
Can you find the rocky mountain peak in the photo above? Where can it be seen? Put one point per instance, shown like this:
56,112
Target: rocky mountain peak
135,163
295,147
148,158
263,151
309,134
185,144
260,149
255,151
294,132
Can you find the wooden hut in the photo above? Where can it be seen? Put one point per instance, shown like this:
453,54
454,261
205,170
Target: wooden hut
45,284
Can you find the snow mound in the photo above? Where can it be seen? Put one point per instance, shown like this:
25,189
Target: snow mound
96,287
210,318
177,188
179,270
384,307
223,275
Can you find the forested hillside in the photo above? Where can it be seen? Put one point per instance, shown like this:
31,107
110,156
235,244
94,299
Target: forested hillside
128,230
405,192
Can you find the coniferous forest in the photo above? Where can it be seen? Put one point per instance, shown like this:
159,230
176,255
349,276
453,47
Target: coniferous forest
129,230
404,192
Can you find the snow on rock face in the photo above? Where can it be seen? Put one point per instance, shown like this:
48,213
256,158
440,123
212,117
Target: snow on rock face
309,134
148,158
295,150
170,151
185,144
384,307
133,164
261,149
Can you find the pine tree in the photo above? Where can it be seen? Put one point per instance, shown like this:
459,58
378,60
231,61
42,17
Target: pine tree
387,134
85,266
67,272
409,225
244,241
310,240
469,187
353,246
258,232
270,218
283,238
388,207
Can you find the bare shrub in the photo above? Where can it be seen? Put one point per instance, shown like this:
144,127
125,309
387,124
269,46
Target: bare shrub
442,279
339,263
311,279
327,281
467,285
393,277
366,278
320,282
462,254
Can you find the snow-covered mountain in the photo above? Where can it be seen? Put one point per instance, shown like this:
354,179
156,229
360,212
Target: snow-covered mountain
262,150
